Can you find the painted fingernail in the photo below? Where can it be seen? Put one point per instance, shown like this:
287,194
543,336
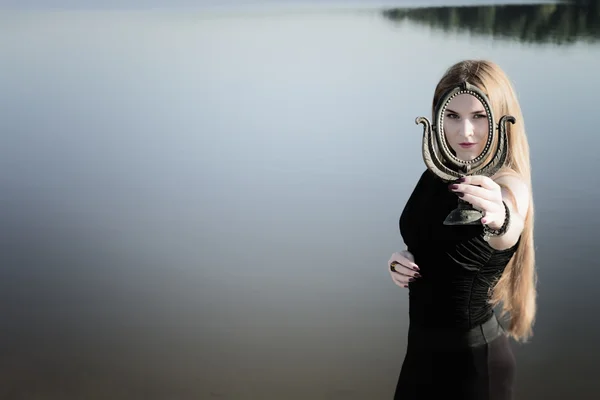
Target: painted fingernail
417,275
411,279
453,187
416,268
405,286
460,194
462,179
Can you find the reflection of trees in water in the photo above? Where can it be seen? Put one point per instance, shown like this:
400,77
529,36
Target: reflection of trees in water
542,23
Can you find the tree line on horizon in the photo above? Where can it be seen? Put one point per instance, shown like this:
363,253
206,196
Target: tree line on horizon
559,23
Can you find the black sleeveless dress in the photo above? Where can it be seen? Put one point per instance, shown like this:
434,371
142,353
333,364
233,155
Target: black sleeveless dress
456,346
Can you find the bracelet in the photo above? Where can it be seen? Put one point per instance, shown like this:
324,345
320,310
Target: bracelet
489,232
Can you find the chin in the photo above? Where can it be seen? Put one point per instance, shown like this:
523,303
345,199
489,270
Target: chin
466,157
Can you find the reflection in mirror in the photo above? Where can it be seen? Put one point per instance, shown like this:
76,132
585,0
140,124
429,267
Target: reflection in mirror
465,127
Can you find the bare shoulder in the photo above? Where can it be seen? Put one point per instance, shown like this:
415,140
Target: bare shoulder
516,191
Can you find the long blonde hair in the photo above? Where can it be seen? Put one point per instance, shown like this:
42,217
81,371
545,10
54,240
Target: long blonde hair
516,288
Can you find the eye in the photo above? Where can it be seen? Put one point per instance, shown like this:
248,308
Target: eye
478,116
452,115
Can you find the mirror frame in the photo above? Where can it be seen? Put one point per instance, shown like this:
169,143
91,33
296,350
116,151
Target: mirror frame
471,90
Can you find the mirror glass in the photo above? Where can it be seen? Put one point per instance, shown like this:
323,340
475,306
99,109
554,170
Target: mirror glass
465,126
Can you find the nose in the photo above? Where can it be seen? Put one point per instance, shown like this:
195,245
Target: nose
466,128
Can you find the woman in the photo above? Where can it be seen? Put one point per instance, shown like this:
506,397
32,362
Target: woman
456,346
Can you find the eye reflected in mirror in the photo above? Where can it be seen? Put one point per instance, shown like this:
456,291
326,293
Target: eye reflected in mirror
465,126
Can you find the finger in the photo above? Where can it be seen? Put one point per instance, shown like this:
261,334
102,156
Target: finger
405,278
406,267
405,262
480,180
405,271
402,285
401,280
477,202
476,191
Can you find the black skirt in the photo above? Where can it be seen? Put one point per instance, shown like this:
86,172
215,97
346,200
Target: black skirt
474,365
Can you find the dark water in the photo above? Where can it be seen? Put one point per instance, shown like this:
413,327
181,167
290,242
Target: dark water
201,205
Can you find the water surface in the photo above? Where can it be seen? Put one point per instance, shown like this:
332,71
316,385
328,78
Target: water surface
202,205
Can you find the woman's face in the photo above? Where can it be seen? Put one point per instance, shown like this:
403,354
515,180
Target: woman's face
466,126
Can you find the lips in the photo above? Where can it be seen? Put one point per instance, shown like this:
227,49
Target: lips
467,145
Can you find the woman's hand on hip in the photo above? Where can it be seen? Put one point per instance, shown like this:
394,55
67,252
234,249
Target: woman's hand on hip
402,268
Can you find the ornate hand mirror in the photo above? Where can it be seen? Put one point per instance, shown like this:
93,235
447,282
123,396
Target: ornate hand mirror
443,161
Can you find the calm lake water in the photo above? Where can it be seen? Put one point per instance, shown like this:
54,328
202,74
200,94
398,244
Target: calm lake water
201,204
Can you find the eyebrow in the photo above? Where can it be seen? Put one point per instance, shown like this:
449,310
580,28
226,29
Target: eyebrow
474,112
